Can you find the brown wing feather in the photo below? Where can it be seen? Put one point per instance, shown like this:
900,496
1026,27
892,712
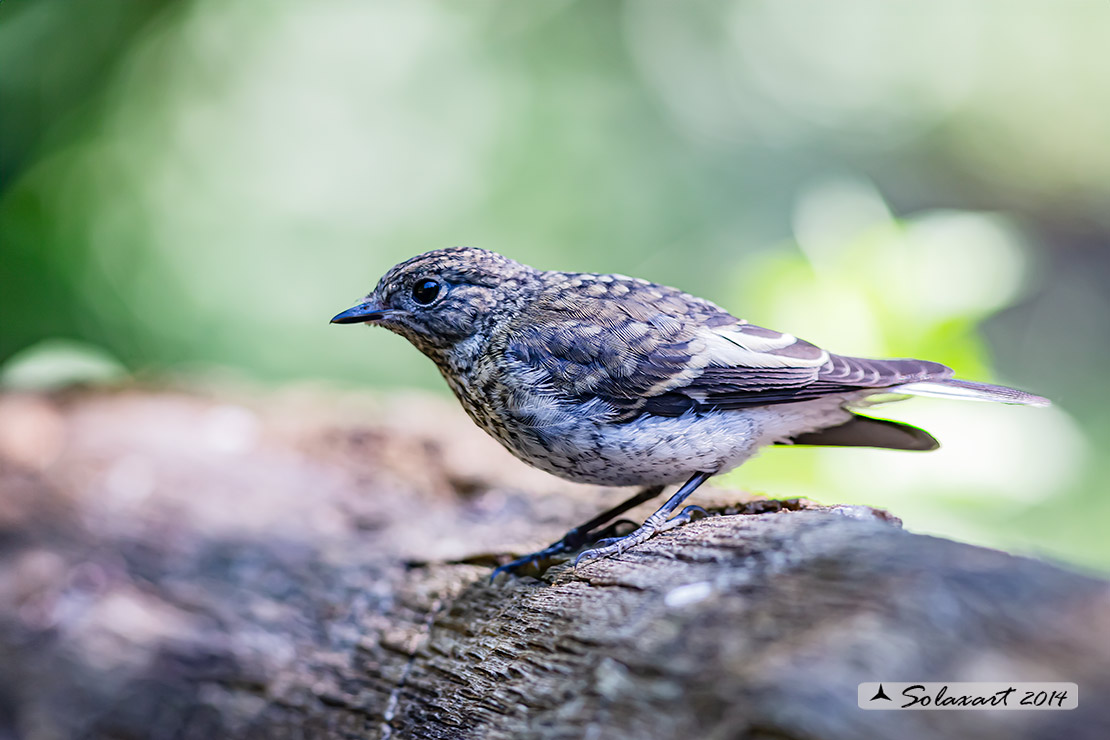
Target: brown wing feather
646,348
630,341
769,368
731,388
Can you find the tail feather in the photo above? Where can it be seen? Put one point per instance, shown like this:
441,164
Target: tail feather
864,431
969,390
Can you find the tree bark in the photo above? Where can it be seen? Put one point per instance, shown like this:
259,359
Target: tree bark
315,565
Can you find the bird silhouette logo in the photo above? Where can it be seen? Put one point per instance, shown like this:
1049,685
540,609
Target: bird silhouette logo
880,694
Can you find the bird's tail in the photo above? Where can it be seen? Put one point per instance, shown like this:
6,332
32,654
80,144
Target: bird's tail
969,390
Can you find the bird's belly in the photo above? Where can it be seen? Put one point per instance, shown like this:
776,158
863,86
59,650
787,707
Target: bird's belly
647,451
578,443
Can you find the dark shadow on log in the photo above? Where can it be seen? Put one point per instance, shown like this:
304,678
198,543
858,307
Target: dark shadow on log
256,586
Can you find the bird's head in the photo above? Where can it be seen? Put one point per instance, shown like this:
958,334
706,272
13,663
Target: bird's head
440,298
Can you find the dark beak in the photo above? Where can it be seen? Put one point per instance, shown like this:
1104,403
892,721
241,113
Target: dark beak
362,313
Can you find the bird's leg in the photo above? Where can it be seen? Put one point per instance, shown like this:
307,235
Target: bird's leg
577,536
657,522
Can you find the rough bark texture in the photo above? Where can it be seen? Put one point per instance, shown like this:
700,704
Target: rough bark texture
174,565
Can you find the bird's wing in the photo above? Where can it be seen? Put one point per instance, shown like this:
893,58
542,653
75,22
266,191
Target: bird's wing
748,365
609,337
644,348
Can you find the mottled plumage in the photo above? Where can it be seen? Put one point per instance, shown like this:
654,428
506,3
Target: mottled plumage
614,380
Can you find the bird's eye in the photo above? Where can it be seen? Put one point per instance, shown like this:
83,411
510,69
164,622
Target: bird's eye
425,291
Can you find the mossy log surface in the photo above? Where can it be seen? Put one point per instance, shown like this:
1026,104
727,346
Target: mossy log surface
307,564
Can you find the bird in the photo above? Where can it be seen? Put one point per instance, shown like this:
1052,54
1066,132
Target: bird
618,381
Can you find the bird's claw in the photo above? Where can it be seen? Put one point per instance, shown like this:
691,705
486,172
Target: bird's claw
687,515
539,560
607,546
574,539
617,545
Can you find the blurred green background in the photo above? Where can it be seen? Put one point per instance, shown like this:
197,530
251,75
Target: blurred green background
201,185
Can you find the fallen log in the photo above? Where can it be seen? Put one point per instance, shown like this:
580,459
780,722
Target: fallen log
307,564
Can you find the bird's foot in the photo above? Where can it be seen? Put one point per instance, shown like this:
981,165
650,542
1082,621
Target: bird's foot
584,534
687,515
617,545
538,562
